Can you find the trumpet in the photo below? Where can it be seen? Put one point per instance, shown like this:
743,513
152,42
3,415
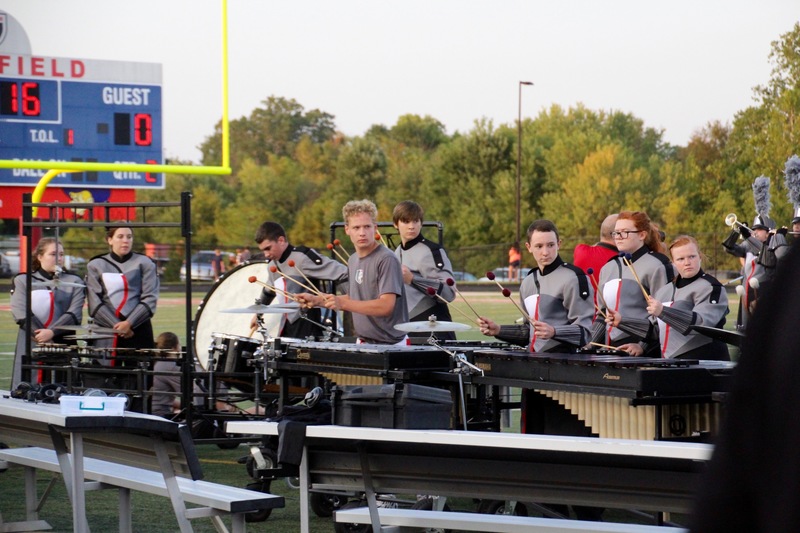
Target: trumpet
732,221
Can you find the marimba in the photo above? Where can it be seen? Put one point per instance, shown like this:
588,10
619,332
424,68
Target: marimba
619,397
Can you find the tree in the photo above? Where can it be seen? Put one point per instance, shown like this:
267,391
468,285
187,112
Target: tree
426,132
276,129
766,135
607,181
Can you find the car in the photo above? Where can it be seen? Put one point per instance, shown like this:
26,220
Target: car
10,258
5,267
501,274
201,265
460,275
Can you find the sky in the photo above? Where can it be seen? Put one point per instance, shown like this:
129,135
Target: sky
676,65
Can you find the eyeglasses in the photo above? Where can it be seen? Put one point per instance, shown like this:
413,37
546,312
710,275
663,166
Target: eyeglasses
623,234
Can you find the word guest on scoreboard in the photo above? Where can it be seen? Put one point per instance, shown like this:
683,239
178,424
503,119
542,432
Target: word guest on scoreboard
63,109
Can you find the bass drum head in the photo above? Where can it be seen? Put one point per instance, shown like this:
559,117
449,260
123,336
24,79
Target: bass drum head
233,290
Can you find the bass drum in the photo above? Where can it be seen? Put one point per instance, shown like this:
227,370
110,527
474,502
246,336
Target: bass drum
232,291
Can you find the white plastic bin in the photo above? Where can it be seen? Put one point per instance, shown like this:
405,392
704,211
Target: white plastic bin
88,405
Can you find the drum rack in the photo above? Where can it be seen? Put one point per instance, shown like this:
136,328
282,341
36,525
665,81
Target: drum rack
100,215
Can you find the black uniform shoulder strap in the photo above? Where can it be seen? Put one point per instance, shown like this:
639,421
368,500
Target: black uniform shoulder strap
669,269
583,279
436,251
107,260
716,287
310,253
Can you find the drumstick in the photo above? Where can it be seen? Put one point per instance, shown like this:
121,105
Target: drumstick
492,277
275,270
292,264
627,259
253,330
450,282
333,249
599,294
253,279
379,237
597,308
507,294
432,292
605,346
337,242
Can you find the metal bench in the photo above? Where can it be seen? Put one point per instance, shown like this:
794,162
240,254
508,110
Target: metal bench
214,499
650,476
127,451
406,520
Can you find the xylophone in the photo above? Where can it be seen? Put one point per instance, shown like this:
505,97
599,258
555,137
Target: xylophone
360,364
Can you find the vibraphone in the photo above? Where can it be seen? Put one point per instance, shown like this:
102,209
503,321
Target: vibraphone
619,397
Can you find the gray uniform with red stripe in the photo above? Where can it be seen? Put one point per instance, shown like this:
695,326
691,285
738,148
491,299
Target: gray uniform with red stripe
122,288
560,295
622,293
700,300
59,306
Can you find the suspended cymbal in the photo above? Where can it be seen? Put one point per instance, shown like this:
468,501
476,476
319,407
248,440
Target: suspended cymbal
259,309
431,325
88,337
91,328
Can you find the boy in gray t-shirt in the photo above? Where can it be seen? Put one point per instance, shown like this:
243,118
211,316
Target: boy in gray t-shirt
375,294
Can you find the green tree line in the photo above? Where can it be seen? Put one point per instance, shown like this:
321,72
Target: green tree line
577,165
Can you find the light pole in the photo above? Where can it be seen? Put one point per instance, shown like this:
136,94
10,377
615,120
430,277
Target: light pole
519,158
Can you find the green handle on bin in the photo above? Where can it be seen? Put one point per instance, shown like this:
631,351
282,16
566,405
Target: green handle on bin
82,408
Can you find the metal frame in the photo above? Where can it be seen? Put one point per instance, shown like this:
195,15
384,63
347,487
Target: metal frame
57,219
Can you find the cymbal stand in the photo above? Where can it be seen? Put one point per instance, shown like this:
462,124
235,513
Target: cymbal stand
462,366
212,388
267,349
328,332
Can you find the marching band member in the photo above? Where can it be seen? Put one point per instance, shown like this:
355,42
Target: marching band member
692,298
791,174
122,292
622,293
295,262
425,265
759,250
559,300
375,291
53,302
557,296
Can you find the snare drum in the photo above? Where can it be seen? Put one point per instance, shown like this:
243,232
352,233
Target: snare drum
231,352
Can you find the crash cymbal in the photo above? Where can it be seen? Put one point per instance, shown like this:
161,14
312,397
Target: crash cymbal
88,337
90,328
259,309
431,325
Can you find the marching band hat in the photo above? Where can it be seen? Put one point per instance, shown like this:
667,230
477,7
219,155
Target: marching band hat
763,222
796,218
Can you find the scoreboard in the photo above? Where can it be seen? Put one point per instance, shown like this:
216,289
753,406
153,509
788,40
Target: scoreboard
65,109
